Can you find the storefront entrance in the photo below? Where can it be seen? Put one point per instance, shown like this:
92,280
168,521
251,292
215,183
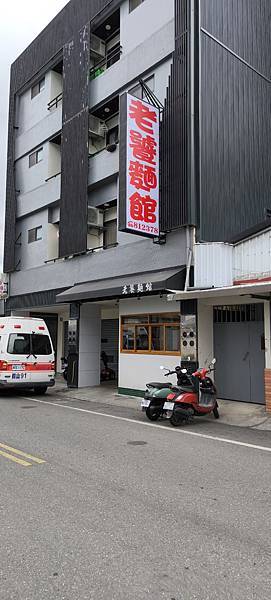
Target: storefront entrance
239,349
110,350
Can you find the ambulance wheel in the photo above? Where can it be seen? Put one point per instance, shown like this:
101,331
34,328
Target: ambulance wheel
40,390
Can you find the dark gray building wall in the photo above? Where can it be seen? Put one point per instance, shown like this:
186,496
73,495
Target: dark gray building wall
175,129
235,113
66,29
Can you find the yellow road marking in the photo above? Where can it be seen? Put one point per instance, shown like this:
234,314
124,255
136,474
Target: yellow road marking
20,453
15,459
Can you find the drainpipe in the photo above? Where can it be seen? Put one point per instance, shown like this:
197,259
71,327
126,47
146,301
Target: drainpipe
189,255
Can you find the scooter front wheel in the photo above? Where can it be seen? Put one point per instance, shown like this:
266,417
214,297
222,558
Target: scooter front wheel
215,412
153,412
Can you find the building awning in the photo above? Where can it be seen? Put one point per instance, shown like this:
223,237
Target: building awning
126,286
246,289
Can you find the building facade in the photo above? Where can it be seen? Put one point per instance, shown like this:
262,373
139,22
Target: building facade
66,251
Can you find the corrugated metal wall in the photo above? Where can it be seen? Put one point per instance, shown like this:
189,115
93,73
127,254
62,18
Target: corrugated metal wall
174,141
235,110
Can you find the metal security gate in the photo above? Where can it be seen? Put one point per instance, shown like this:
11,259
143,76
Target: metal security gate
239,350
110,342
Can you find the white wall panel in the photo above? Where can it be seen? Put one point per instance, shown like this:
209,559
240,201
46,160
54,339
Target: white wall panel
140,24
252,258
213,265
42,196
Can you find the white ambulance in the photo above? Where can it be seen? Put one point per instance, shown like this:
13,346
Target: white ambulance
26,354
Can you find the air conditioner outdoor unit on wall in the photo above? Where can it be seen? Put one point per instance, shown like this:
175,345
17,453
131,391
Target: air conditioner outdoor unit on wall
97,127
95,217
97,46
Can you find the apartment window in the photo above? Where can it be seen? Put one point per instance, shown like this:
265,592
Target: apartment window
138,91
134,4
110,233
37,88
151,334
34,235
35,157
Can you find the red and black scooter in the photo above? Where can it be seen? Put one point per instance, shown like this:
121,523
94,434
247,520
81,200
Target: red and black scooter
181,406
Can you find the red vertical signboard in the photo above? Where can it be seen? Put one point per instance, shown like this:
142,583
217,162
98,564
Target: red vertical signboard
142,168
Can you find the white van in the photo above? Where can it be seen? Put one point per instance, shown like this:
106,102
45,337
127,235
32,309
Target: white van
26,354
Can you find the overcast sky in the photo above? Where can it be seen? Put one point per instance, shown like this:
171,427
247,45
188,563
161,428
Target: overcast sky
21,21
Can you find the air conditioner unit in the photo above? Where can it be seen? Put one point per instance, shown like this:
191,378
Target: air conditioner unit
97,127
97,46
95,217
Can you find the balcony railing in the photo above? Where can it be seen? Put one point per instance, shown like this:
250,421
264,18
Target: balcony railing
55,102
52,176
104,64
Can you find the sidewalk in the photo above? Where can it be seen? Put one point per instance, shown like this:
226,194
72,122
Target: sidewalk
240,414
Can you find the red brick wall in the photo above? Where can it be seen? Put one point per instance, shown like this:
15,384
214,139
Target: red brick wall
267,387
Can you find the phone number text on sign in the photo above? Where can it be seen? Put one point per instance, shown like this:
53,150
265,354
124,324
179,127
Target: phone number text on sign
142,167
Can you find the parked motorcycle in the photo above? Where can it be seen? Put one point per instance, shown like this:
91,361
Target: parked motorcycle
64,367
202,400
157,393
194,395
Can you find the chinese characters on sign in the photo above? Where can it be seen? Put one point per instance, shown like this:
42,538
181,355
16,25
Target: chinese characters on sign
142,215
137,288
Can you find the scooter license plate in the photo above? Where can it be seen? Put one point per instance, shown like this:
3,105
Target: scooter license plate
168,405
145,403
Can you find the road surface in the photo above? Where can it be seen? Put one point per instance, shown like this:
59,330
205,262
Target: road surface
99,504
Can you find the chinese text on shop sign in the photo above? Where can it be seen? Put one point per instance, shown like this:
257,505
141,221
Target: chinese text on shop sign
142,167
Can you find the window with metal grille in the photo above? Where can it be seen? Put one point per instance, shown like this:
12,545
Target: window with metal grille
238,313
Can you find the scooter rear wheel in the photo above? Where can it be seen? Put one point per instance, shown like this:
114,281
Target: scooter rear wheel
176,420
153,412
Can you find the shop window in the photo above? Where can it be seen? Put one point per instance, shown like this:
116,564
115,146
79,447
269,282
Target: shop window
151,334
128,338
134,4
35,157
37,88
34,235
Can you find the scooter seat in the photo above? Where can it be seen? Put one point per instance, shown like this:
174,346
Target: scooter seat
186,388
159,386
